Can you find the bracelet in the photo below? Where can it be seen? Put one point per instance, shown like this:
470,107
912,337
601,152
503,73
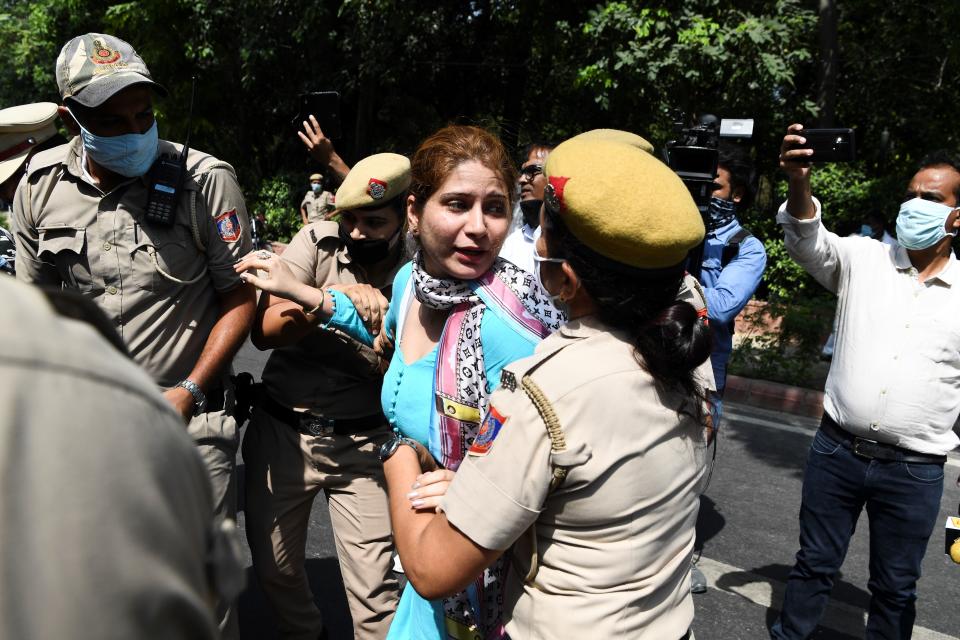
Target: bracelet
313,311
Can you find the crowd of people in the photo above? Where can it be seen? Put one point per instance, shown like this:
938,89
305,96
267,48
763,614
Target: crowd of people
504,381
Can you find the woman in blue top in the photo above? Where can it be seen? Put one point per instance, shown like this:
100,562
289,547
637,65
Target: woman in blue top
441,375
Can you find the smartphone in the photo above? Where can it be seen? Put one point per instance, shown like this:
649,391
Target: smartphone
830,145
325,107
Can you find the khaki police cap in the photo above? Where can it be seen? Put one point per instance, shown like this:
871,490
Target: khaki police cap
94,66
315,176
622,202
616,135
373,181
22,128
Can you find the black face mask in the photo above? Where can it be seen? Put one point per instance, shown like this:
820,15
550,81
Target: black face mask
531,212
368,251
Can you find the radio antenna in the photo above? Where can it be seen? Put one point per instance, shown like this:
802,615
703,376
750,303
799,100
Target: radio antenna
186,143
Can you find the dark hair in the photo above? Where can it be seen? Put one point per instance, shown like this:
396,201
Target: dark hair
451,146
743,174
549,145
942,158
669,337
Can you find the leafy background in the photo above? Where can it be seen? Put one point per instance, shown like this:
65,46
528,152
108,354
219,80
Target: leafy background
532,69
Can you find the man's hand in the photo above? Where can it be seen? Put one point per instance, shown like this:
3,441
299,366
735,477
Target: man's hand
795,163
182,402
320,148
370,303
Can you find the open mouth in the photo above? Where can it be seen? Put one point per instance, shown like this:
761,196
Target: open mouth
470,254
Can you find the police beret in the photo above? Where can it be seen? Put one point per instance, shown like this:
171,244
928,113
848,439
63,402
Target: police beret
373,181
22,128
616,135
94,66
622,202
315,176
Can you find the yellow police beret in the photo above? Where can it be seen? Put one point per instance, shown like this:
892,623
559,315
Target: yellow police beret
315,176
376,179
622,203
616,135
22,128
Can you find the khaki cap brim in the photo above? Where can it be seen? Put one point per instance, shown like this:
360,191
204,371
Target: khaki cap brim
96,93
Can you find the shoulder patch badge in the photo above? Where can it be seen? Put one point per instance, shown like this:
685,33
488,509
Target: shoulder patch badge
376,188
487,433
508,380
228,225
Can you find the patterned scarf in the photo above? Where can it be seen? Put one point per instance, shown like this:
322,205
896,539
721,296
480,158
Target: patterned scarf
720,213
460,385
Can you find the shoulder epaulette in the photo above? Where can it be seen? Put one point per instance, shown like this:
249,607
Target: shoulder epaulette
48,158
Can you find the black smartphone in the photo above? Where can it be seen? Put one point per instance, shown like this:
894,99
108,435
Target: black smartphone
325,107
830,145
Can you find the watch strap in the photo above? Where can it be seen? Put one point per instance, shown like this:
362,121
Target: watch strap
199,398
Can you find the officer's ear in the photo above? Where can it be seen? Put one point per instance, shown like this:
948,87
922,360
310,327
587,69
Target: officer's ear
69,122
736,194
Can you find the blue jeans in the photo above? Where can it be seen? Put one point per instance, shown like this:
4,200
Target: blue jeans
902,501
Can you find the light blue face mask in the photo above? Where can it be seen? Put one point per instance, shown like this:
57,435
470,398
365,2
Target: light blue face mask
316,186
130,154
921,223
866,231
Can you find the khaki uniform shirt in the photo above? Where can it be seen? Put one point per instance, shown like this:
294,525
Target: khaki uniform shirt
317,205
614,541
105,507
152,281
327,372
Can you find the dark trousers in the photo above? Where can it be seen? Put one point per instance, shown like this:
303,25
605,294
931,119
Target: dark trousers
902,501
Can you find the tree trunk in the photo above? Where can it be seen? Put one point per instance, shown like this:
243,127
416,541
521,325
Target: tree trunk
827,93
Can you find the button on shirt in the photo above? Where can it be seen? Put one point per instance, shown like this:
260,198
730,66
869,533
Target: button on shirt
728,289
895,375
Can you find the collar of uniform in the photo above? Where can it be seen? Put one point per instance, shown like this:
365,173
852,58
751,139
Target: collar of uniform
77,165
583,327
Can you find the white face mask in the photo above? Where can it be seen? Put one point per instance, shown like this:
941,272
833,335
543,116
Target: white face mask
537,259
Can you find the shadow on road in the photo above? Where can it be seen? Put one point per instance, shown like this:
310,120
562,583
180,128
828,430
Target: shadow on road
710,522
776,449
256,618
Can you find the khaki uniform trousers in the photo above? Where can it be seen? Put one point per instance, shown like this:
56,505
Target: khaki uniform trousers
284,472
217,440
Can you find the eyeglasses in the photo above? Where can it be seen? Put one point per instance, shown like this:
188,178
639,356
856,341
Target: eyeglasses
531,171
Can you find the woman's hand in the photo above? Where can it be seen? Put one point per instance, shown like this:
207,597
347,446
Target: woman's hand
429,488
369,302
320,148
276,278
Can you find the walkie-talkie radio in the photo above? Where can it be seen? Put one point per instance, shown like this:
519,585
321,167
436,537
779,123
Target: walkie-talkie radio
166,179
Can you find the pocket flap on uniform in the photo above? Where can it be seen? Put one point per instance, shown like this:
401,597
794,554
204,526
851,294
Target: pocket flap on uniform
53,240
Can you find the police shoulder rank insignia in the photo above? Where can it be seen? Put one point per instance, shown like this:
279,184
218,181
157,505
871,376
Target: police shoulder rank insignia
376,188
508,380
228,225
487,433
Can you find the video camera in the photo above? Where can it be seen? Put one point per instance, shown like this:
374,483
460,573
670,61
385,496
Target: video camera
693,155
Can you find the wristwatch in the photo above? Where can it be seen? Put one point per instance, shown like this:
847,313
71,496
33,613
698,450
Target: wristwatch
199,399
390,446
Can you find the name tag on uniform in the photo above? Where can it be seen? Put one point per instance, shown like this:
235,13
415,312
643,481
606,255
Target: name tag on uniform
487,433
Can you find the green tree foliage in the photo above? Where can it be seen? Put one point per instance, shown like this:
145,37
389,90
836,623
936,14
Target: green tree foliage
527,69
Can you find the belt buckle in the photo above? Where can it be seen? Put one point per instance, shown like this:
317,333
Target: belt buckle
316,425
856,448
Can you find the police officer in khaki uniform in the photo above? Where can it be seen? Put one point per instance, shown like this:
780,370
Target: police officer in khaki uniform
170,289
106,523
319,426
317,203
24,130
590,461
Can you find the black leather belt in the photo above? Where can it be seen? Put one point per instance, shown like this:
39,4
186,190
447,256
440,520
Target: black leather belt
871,449
313,425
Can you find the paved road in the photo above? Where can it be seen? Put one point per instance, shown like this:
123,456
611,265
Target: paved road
748,523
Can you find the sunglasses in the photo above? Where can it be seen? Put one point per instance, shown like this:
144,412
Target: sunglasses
531,171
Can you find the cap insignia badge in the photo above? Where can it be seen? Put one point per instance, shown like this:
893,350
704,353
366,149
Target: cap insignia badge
553,193
103,54
376,188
